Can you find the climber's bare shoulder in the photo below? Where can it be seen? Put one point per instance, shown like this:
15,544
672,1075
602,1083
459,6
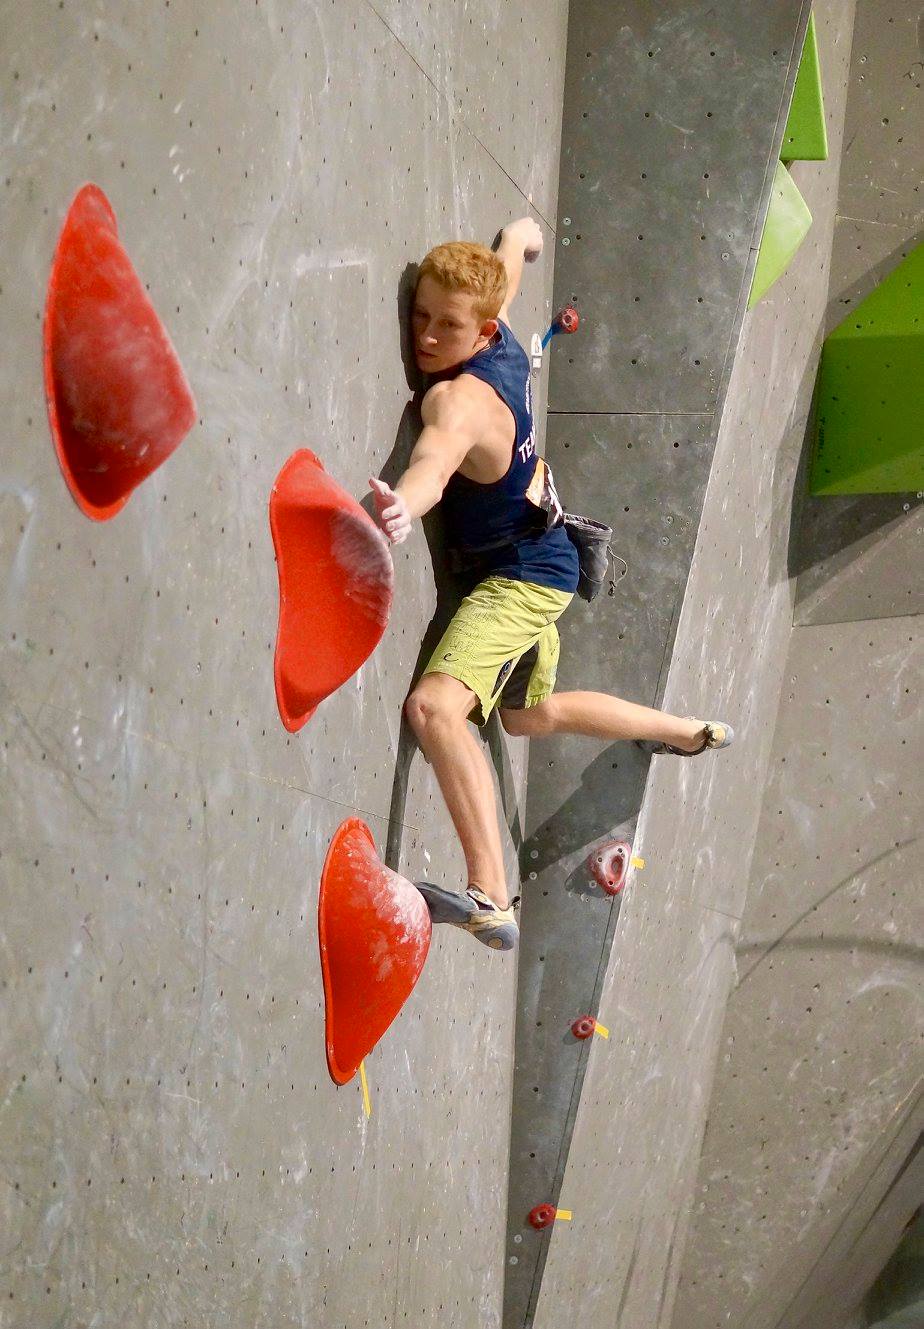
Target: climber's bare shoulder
468,406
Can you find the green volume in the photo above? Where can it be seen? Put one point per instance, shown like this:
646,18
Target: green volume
869,431
805,137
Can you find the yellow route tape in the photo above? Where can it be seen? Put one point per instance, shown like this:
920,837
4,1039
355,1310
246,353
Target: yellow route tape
602,1030
637,862
563,1215
367,1105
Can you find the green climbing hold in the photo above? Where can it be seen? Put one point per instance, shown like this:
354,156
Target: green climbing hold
805,137
787,224
869,432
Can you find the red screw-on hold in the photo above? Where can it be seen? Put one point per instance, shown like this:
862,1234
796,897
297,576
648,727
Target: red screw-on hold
542,1216
608,865
584,1026
566,320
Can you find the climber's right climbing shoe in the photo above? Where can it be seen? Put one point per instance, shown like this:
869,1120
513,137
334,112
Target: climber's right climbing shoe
446,906
474,912
489,924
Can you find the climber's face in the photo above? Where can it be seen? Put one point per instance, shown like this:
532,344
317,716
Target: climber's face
447,332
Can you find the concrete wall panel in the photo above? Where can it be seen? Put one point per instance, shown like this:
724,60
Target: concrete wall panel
639,1114
670,115
828,989
174,1149
500,67
859,558
882,140
168,1105
698,820
817,1098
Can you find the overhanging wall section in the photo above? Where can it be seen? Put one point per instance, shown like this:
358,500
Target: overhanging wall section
859,557
631,1168
672,125
818,1099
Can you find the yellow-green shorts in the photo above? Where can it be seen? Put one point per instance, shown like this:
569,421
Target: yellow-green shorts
502,643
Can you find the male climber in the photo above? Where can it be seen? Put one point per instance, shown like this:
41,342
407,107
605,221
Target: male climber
477,453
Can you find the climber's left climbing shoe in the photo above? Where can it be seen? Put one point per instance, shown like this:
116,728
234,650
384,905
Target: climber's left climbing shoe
717,734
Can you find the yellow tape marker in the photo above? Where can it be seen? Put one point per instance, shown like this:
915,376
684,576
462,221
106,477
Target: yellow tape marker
602,1030
637,862
563,1215
367,1105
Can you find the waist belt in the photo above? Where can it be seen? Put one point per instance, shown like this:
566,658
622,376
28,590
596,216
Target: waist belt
590,538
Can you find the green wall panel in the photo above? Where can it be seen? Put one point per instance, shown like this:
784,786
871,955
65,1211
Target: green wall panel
869,436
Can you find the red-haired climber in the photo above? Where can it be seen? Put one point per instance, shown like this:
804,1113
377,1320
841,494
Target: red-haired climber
504,526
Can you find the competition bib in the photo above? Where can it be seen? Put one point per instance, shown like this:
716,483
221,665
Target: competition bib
544,496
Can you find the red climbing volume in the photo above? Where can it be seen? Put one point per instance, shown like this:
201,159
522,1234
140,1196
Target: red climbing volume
118,400
335,586
374,931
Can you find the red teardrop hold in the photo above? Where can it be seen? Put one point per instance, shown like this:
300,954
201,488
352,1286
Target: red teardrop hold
374,930
336,580
583,1026
118,400
543,1215
608,865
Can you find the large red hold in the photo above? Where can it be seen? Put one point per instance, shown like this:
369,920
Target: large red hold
118,400
374,930
336,578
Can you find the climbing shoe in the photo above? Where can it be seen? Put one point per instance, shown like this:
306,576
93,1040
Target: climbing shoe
445,906
475,913
490,924
717,734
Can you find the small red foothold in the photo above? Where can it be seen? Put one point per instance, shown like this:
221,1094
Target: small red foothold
584,1026
542,1216
608,865
118,400
567,319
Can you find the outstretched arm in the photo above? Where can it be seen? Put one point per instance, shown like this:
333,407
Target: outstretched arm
448,435
521,241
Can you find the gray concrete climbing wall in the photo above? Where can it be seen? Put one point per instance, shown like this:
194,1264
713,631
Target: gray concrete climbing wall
809,1167
173,1152
821,1067
633,1158
682,432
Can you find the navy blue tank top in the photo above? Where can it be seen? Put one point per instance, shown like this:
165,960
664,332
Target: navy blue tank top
512,527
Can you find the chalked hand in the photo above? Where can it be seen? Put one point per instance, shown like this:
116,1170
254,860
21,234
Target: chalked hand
391,508
528,233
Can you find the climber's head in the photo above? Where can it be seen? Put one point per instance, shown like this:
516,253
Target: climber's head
460,291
